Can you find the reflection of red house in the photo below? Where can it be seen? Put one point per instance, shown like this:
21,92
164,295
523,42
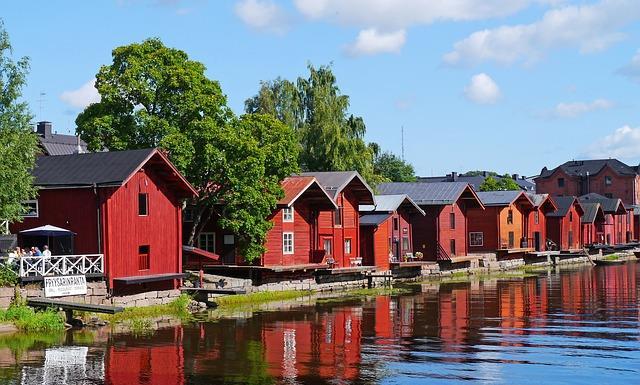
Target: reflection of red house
563,225
502,224
386,230
339,231
593,222
442,232
536,221
618,225
126,205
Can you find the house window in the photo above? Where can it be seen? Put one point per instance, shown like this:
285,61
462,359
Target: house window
510,217
187,214
326,244
536,217
207,241
476,239
31,209
144,262
608,195
143,204
512,240
287,243
287,214
607,180
560,182
347,246
337,217
452,221
452,246
571,216
405,244
395,224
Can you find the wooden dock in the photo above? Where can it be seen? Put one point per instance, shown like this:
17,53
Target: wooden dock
69,307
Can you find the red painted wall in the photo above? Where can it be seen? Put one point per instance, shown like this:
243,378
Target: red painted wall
302,229
487,222
558,230
377,241
533,227
338,234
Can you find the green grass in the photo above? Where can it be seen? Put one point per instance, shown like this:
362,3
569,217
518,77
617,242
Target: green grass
176,308
29,320
260,297
612,257
375,291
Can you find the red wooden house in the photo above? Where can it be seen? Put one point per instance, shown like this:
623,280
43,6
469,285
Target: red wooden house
618,225
442,232
386,230
502,224
564,226
593,223
126,205
536,223
339,231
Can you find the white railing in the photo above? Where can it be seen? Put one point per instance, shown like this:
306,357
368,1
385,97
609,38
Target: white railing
61,265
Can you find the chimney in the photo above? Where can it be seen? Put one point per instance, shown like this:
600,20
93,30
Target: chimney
78,149
44,129
514,176
454,176
484,174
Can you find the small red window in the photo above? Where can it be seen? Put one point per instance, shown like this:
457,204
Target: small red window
143,258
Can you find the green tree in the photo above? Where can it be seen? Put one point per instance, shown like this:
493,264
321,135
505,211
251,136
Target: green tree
154,96
504,183
507,183
330,138
391,167
18,143
480,173
489,184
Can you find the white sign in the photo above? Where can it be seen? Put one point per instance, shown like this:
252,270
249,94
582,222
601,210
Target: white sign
65,285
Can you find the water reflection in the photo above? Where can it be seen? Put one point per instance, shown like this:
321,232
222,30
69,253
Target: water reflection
571,327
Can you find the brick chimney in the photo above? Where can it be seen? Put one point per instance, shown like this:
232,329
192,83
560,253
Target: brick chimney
44,129
454,176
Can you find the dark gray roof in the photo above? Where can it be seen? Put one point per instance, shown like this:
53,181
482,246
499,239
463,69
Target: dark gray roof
57,144
537,199
609,205
563,203
373,219
590,211
591,166
476,180
443,193
334,182
100,168
498,198
636,209
389,203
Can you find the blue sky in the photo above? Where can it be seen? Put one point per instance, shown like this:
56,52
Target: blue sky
502,85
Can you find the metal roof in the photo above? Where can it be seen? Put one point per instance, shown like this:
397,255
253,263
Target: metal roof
390,203
564,203
334,182
442,193
58,144
591,211
373,219
501,198
609,205
296,186
590,167
476,180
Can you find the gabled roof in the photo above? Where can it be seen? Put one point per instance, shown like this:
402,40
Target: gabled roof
564,203
334,182
592,211
102,169
542,201
503,198
297,186
390,203
609,205
373,219
590,167
427,194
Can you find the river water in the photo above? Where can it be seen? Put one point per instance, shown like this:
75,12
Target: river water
569,327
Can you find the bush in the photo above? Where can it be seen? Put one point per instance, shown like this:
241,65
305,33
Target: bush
27,319
8,277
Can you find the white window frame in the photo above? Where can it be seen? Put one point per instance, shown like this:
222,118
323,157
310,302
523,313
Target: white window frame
213,238
347,251
481,237
287,214
288,249
37,214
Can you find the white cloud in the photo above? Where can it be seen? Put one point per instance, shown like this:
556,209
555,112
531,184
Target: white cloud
482,90
262,15
623,143
572,110
83,96
632,70
399,14
371,41
591,28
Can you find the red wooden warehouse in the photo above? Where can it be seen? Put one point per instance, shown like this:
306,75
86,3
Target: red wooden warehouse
564,226
339,231
502,224
618,225
536,221
126,205
442,232
386,230
593,223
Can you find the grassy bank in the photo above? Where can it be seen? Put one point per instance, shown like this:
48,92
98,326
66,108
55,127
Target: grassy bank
29,320
260,297
136,315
